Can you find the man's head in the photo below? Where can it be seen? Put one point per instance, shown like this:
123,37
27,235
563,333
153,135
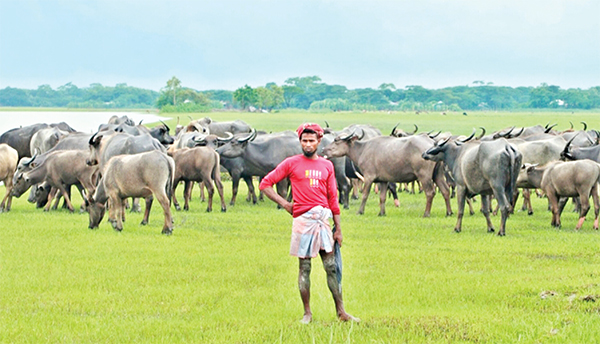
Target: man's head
310,135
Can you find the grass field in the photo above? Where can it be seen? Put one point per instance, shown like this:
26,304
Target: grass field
228,277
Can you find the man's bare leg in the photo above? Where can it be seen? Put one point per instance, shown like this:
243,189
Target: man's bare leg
335,287
304,286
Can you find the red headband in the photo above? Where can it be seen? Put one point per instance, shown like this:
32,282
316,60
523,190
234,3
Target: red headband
310,126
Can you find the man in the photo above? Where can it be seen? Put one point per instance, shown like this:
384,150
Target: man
314,191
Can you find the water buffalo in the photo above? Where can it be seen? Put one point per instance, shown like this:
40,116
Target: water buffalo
136,175
221,128
567,179
386,159
261,155
59,169
484,168
198,164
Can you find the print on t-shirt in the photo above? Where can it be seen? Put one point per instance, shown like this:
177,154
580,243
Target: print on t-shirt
313,176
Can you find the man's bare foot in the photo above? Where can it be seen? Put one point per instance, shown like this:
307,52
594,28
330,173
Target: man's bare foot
306,319
348,317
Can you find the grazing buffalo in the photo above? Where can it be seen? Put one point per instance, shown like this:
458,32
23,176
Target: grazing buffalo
8,165
60,169
484,168
387,159
198,164
560,179
136,175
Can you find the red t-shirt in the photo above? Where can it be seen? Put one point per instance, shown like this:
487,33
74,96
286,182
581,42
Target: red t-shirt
313,183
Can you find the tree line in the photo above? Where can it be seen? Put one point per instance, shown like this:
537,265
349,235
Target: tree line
309,93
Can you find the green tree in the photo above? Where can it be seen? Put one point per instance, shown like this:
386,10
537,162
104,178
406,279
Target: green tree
173,86
245,96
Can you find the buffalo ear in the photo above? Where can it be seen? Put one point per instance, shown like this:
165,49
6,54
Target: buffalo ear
33,165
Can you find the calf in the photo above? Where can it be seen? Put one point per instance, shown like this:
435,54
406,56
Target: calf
136,175
198,164
567,179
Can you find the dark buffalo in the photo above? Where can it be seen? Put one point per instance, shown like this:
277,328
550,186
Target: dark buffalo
387,159
484,168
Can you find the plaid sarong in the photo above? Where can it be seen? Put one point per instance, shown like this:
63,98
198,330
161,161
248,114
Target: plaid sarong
311,233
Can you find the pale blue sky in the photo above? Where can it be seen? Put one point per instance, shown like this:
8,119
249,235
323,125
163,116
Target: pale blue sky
225,44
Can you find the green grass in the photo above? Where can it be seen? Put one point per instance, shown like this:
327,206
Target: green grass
228,277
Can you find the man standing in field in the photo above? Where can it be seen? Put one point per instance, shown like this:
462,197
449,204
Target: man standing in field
314,191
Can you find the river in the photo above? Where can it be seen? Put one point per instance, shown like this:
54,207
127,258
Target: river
85,121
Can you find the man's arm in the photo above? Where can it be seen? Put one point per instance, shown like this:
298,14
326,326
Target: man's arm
275,197
337,235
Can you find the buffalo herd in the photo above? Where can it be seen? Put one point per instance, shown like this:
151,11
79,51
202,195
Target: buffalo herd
123,161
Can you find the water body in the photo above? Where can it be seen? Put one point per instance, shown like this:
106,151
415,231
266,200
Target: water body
85,121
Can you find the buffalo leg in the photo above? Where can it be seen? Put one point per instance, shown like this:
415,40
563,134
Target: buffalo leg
164,203
149,200
175,202
187,194
365,196
382,195
584,200
429,195
235,183
394,193
201,185
596,204
440,181
461,194
485,209
65,194
219,185
210,190
553,200
118,205
505,206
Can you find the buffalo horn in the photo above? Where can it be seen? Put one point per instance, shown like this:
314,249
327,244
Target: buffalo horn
362,134
166,126
435,135
31,160
416,129
482,133
394,130
566,150
507,133
470,136
140,122
225,139
443,142
326,124
91,141
571,125
520,132
346,137
550,128
584,126
249,137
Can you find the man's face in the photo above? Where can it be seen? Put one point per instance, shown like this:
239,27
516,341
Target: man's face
310,143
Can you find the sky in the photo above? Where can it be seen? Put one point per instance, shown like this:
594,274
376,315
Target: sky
227,44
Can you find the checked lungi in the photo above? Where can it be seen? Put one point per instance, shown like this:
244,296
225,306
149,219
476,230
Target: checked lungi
311,233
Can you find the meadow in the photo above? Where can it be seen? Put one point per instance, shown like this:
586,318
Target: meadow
228,277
